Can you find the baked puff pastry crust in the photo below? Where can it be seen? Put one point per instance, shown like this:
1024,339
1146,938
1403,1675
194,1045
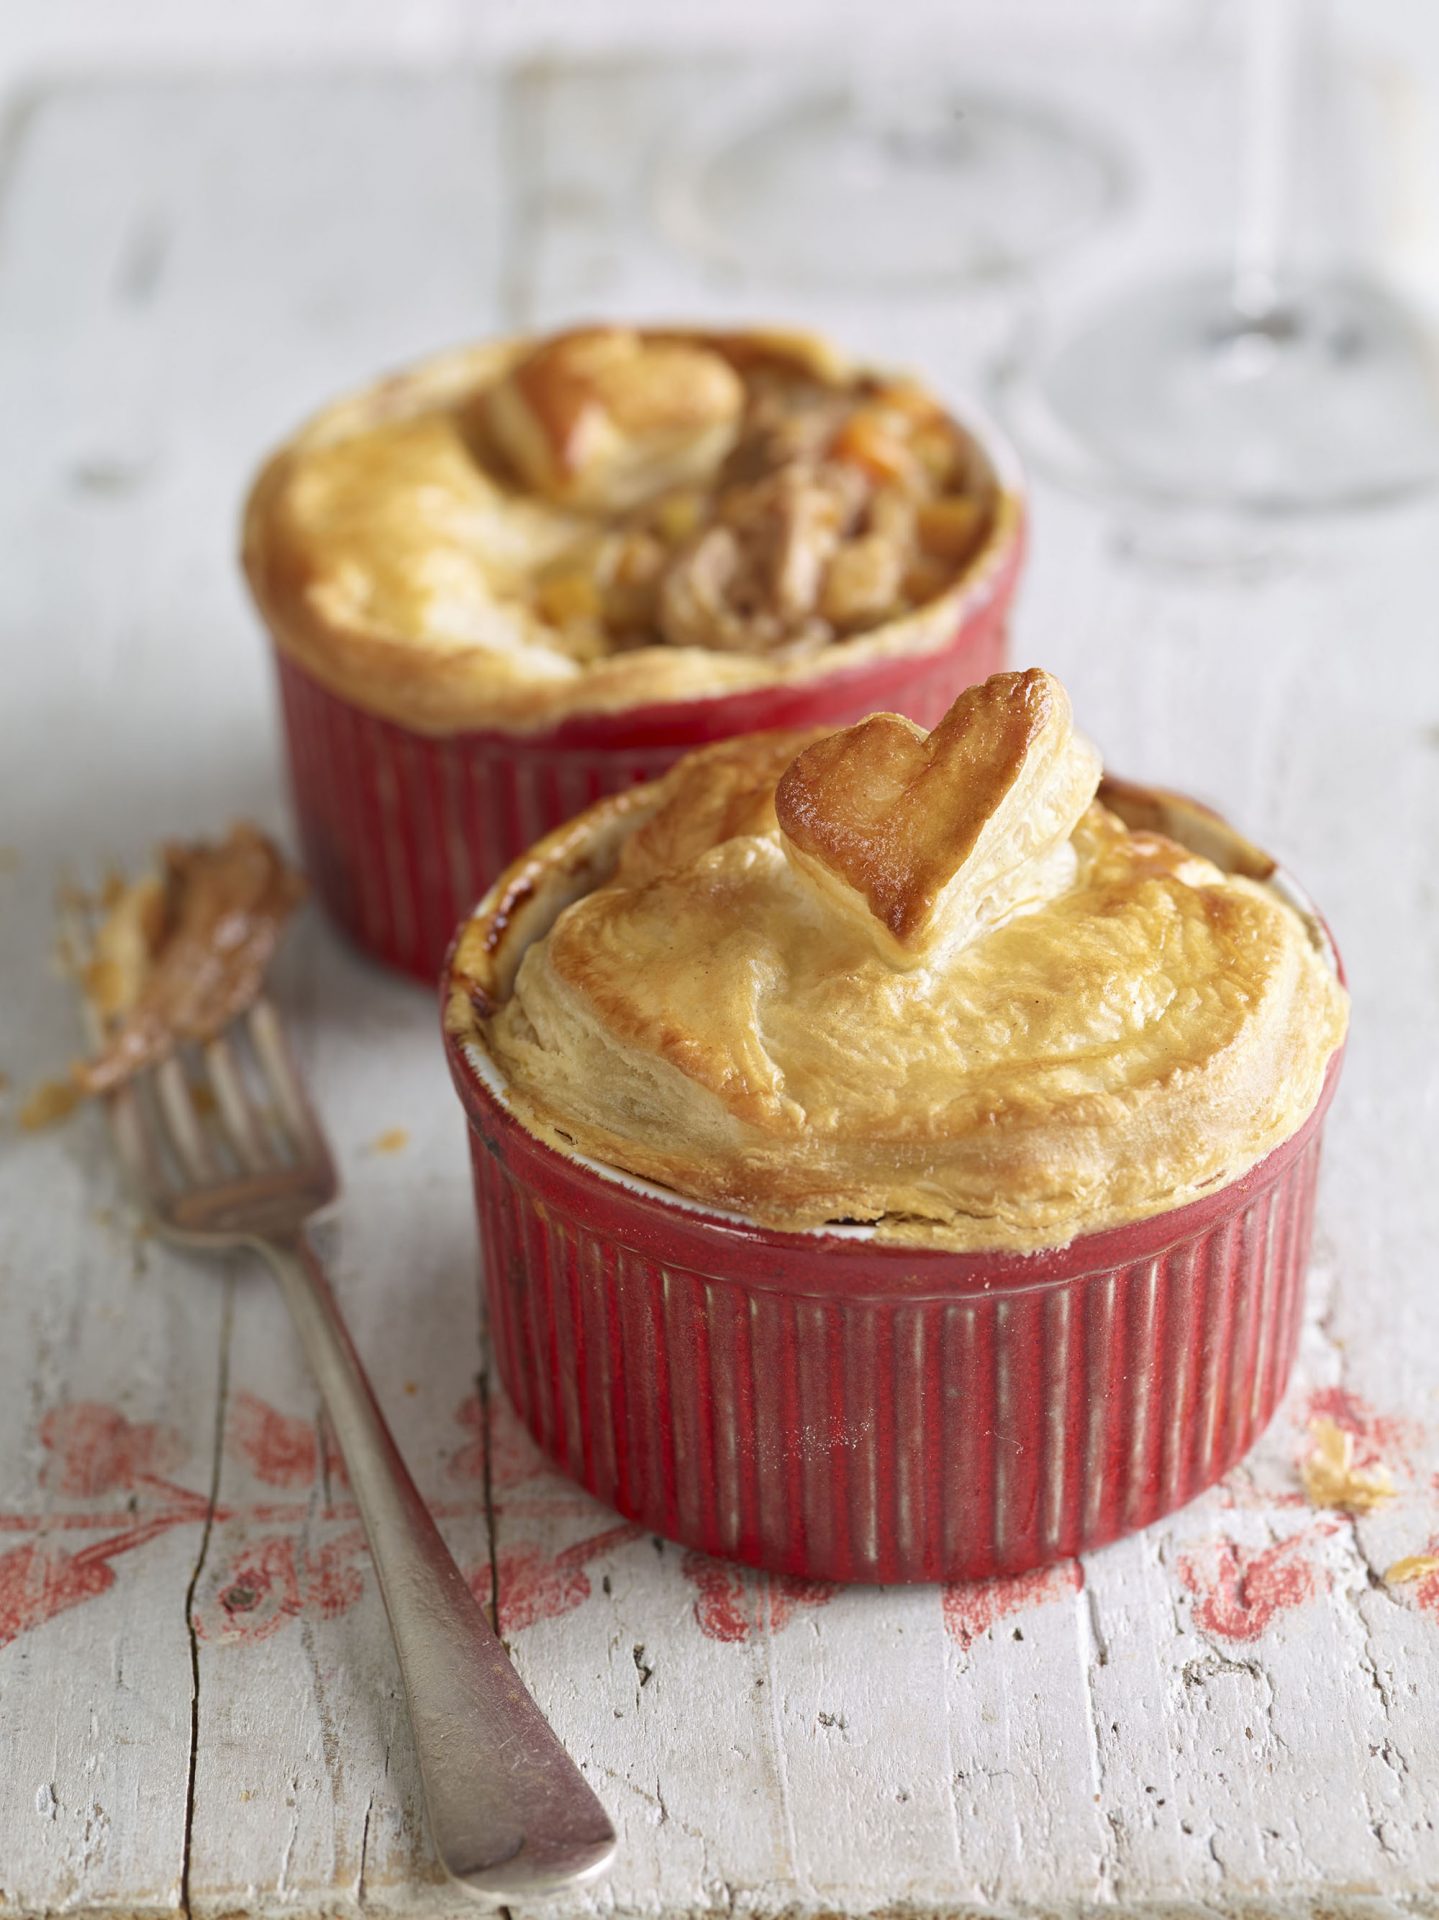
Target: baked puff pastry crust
889,999
603,419
611,517
924,840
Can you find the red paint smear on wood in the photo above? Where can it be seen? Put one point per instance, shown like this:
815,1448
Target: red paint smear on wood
38,1581
535,1586
279,1449
1239,1591
1426,1591
735,1603
271,1580
972,1607
514,1457
94,1449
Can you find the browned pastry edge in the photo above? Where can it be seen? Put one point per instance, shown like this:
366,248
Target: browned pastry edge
894,812
446,690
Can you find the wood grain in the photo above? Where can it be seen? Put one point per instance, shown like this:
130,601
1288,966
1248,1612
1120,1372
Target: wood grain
1232,1713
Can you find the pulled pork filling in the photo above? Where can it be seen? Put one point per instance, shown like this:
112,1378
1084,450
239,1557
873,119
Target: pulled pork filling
834,512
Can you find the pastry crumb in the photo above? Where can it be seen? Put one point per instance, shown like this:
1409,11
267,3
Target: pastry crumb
181,951
1414,1566
48,1104
394,1140
1331,1478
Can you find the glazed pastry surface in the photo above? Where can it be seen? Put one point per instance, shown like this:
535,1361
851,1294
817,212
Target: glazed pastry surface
609,518
940,988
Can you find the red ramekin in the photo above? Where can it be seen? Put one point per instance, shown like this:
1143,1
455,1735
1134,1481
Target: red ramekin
401,831
830,1405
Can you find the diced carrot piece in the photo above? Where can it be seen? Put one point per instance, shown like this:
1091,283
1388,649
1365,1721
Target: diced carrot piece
869,440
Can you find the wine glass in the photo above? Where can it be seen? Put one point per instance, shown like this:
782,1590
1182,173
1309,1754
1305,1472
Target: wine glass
1259,387
882,179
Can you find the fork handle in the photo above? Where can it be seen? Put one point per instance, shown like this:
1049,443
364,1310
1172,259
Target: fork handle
510,1814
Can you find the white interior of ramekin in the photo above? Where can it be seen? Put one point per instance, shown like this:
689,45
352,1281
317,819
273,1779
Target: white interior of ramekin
488,1073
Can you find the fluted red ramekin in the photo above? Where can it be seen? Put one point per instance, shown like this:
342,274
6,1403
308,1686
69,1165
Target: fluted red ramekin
831,1405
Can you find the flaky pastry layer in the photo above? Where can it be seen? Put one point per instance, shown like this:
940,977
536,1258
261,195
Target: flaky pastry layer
427,548
662,988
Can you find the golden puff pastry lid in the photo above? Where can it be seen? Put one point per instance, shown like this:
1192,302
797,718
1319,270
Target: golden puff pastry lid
940,987
602,418
528,530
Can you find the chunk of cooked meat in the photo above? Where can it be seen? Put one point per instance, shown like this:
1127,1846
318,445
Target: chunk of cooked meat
785,421
830,516
752,581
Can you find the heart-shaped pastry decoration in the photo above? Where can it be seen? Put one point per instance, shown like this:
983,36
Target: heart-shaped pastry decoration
928,840
603,417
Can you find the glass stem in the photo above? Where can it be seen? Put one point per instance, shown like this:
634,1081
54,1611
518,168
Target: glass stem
1266,144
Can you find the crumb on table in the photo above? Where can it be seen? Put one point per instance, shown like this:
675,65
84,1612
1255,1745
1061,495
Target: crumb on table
48,1104
1331,1478
1414,1566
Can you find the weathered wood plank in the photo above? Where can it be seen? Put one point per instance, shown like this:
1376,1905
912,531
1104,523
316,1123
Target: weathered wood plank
1220,674
181,275
1231,1712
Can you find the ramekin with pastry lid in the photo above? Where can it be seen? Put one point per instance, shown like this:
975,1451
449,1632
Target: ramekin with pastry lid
530,573
894,1162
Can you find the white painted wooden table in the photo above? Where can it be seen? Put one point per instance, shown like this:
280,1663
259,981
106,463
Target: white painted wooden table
198,1702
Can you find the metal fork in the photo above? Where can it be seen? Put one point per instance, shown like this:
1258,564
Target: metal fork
510,1814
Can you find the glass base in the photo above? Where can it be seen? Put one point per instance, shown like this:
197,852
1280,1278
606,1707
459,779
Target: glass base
834,189
1330,402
